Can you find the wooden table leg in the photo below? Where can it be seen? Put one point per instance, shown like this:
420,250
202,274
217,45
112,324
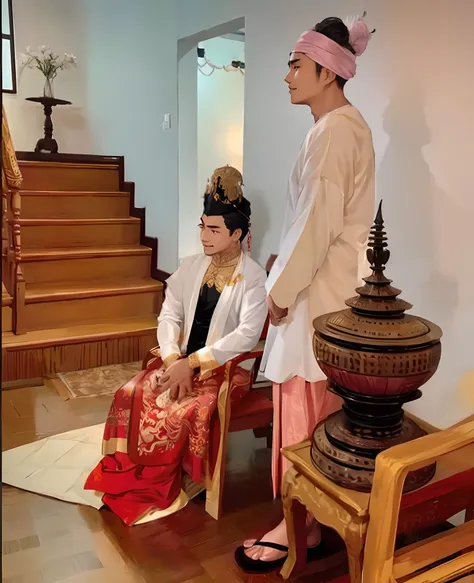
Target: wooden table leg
354,537
295,518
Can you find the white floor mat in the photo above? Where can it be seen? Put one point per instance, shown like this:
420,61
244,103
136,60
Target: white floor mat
57,466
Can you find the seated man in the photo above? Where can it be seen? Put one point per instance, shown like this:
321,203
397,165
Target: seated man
159,422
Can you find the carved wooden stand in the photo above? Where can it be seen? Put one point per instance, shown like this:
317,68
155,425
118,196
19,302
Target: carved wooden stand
345,511
48,143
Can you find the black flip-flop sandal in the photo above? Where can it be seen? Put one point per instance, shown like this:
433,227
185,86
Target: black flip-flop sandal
316,553
258,567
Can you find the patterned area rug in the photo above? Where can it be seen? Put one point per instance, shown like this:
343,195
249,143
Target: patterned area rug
99,381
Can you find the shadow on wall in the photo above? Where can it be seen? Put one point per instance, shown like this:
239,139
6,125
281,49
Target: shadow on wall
411,199
410,194
260,217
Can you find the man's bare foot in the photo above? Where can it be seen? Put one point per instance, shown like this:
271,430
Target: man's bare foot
278,535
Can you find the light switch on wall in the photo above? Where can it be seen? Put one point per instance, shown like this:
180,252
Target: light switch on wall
166,121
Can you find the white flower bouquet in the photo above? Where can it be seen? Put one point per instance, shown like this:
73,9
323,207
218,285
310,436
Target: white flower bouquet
48,63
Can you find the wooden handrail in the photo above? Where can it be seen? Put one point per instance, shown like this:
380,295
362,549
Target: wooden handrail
12,273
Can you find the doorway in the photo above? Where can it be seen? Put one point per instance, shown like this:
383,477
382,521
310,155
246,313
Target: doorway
211,78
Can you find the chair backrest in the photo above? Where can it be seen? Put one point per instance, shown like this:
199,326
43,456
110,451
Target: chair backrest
264,333
452,490
437,502
258,359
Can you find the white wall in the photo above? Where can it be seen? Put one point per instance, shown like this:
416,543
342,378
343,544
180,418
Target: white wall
187,149
415,89
58,24
132,83
125,82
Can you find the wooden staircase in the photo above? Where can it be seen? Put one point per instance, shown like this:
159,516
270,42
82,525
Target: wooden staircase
91,294
7,302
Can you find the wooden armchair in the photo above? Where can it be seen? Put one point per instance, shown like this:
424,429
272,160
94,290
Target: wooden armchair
445,557
254,411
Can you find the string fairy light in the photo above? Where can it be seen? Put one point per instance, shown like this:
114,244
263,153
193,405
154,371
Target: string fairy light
235,66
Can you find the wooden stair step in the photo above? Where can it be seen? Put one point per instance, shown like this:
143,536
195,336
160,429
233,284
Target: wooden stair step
60,291
86,263
74,204
100,330
55,304
56,254
45,222
39,175
78,193
46,352
61,233
90,307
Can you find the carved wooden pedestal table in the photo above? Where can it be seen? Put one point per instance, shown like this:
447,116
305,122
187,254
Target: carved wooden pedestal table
48,144
345,511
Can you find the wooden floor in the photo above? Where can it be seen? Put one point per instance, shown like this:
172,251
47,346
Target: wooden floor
45,540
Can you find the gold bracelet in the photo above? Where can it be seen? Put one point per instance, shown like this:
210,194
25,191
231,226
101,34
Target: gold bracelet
194,361
168,361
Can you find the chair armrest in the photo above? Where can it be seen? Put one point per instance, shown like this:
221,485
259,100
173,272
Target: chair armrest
230,366
425,450
153,353
257,352
391,469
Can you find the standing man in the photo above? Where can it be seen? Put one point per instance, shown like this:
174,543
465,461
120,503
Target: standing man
330,207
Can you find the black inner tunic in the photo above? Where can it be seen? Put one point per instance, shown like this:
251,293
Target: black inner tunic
205,307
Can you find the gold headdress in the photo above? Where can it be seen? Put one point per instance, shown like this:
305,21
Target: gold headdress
224,195
229,180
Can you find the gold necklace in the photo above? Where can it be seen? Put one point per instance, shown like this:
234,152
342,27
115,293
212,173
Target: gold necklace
221,269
